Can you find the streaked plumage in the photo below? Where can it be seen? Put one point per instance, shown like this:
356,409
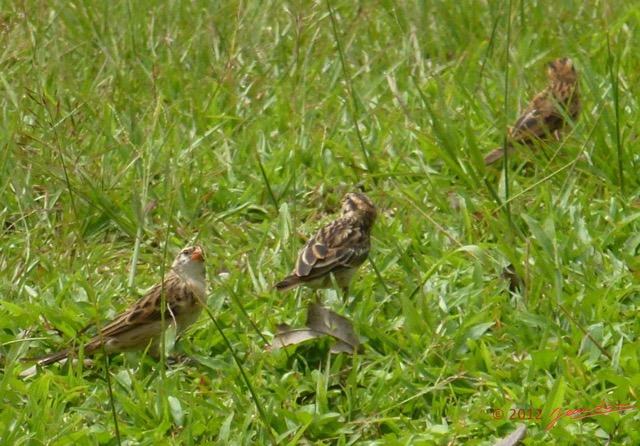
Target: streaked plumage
546,116
140,326
338,249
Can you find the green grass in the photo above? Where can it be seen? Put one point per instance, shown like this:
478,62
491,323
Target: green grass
130,130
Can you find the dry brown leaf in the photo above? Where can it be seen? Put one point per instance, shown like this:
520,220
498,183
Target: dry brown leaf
320,322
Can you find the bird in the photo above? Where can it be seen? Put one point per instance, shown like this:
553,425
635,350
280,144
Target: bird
546,115
141,326
337,250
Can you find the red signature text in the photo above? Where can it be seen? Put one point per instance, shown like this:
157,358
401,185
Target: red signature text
576,414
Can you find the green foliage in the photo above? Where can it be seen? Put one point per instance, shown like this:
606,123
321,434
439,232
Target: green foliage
132,129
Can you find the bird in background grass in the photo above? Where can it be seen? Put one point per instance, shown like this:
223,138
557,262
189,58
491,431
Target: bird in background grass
141,326
337,250
547,114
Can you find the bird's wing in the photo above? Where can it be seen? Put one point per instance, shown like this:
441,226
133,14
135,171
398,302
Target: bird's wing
338,244
539,120
146,310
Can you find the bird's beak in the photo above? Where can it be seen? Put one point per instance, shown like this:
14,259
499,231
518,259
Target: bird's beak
197,254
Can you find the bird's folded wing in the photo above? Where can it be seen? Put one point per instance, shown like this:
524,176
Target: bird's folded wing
145,311
331,248
540,121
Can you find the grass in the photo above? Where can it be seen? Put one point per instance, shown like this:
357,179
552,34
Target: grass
131,130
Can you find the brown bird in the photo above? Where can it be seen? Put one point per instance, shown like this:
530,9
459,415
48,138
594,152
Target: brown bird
141,325
546,116
337,250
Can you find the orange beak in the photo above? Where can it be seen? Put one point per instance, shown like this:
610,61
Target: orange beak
197,255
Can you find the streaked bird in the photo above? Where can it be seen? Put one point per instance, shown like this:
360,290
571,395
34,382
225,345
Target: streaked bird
336,251
547,114
141,326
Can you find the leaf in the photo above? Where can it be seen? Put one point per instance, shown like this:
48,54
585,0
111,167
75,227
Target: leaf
285,336
13,309
540,235
514,438
225,429
169,337
328,322
615,362
321,322
554,401
478,330
176,410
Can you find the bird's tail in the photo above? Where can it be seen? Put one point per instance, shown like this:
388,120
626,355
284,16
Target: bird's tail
496,155
287,283
51,357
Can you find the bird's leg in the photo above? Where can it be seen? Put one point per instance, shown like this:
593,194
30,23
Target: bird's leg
345,296
181,358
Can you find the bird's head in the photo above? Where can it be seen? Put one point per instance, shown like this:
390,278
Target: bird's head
190,262
358,207
562,70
